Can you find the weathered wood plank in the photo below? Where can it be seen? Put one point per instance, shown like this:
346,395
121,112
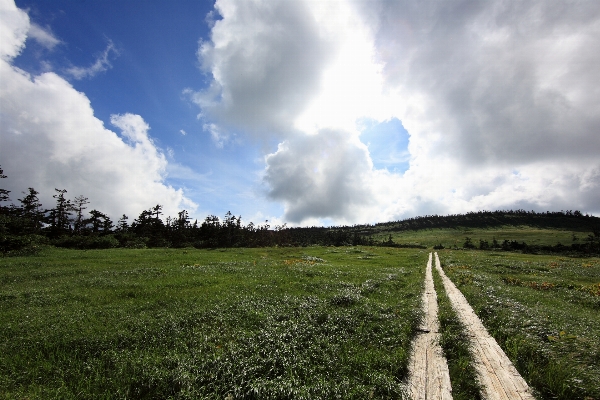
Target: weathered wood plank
429,377
497,375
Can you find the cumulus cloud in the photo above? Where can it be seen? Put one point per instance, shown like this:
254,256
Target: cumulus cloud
51,139
288,71
498,99
265,60
14,24
501,81
497,87
101,64
325,175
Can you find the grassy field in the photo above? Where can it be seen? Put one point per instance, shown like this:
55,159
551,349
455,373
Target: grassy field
544,311
315,322
451,238
238,323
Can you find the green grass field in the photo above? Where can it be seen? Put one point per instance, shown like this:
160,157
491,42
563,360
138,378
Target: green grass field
314,322
451,238
243,323
544,311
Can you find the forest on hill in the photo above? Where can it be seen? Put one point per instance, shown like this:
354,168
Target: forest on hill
25,226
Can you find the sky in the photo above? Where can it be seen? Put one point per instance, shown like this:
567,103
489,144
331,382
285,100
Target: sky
307,112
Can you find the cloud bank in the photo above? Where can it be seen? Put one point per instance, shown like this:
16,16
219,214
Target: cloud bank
51,139
499,99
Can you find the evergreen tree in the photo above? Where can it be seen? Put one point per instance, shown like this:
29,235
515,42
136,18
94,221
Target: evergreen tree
183,220
59,217
3,192
156,210
78,207
122,224
100,222
31,211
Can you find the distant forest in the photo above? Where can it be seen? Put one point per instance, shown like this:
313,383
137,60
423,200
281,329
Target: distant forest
26,226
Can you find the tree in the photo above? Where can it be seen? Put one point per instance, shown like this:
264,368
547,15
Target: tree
148,224
78,207
31,211
468,243
60,216
157,210
100,222
183,220
122,224
3,192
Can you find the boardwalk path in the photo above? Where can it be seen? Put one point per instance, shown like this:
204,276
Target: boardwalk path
429,377
497,375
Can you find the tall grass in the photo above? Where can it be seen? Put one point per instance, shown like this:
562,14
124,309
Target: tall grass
248,323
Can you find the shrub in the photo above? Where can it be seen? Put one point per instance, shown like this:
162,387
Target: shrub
86,242
12,245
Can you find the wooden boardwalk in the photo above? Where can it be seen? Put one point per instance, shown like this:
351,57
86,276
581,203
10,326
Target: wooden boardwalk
497,375
429,377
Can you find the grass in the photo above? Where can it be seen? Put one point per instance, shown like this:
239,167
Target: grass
280,323
451,238
238,323
542,310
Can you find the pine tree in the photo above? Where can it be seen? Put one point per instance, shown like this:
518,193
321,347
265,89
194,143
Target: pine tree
3,192
31,213
59,217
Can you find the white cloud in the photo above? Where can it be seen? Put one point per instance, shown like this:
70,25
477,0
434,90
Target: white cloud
483,88
101,64
324,175
43,36
497,81
14,24
217,134
51,139
265,59
489,87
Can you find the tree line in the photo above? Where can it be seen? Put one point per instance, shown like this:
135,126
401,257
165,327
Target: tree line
25,225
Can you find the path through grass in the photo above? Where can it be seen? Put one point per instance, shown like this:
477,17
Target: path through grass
542,310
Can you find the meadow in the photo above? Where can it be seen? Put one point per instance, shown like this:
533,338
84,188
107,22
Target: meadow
455,237
231,323
287,322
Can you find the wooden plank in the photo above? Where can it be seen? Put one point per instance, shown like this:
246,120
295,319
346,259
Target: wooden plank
498,377
429,377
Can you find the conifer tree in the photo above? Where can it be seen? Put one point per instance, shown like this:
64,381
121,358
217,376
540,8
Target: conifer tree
78,207
31,211
59,217
3,192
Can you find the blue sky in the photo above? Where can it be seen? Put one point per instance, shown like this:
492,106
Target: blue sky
305,112
151,61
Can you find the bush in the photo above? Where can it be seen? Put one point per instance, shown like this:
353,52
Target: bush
468,243
86,242
11,245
